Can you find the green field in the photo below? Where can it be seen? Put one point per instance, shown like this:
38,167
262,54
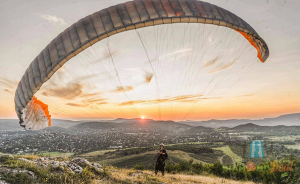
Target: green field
234,157
96,153
296,146
198,152
56,154
284,138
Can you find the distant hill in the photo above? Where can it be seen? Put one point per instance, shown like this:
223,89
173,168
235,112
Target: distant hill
13,124
10,125
287,120
56,129
95,125
133,124
250,127
195,130
233,124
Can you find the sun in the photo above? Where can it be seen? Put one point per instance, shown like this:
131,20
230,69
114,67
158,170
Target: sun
143,117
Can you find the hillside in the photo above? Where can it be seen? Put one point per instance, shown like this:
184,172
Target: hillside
250,127
134,124
287,120
195,130
36,169
13,124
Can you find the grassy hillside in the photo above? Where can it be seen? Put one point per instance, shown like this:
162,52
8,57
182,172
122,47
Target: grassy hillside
23,169
234,157
146,157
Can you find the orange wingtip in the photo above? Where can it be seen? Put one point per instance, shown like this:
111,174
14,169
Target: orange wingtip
252,42
45,108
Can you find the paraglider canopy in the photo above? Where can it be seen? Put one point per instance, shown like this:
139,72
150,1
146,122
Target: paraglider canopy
112,21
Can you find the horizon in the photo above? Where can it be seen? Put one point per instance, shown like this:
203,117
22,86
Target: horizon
83,119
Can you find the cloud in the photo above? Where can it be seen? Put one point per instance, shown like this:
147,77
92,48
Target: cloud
7,90
123,88
93,100
148,77
105,55
183,98
210,63
68,92
88,102
53,19
102,103
77,105
8,83
91,94
222,67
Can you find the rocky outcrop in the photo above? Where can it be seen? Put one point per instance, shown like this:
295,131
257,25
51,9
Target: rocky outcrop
76,165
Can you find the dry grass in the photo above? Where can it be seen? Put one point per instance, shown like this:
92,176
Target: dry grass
148,177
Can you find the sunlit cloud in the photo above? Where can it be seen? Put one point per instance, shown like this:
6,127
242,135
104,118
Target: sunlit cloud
183,98
77,105
68,92
123,88
210,63
148,77
88,102
93,100
8,83
7,90
224,67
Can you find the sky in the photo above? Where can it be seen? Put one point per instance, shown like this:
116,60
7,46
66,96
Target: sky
250,89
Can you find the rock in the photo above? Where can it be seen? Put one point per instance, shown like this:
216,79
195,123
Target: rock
3,182
25,160
54,164
6,155
75,168
43,161
80,161
16,171
97,166
30,173
64,164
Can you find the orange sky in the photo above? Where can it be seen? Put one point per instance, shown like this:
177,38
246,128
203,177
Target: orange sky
267,90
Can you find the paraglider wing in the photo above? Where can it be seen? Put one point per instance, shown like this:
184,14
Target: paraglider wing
122,17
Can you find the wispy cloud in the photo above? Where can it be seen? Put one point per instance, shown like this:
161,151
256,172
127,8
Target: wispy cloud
222,67
88,102
68,92
7,90
77,105
148,77
123,88
8,85
53,19
210,63
183,98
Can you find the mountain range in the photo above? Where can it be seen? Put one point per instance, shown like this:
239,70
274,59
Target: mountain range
278,123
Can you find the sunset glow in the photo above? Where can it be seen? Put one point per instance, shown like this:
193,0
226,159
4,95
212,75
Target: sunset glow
176,84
